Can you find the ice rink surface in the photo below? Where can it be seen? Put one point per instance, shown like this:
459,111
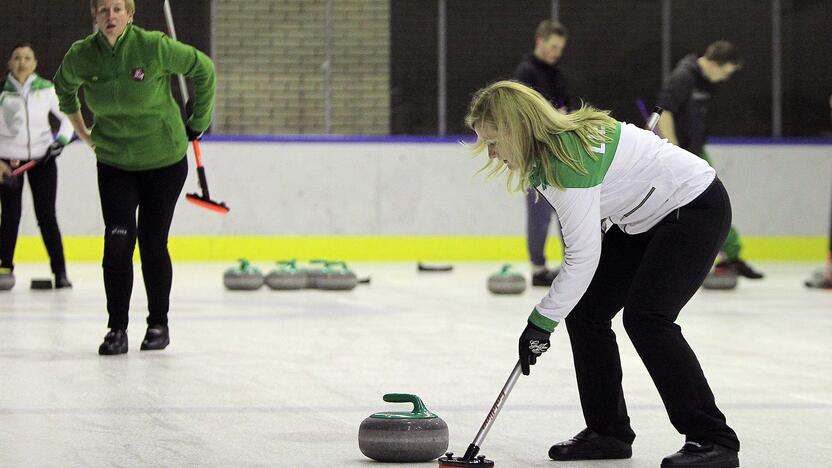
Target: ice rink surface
283,379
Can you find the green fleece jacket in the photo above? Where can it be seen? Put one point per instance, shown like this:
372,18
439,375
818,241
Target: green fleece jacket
137,123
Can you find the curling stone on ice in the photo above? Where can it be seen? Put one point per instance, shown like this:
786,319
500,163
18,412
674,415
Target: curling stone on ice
819,280
286,276
314,271
243,277
506,281
337,276
407,436
6,279
721,279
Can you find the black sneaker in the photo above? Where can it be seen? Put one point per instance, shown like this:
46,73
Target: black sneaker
545,277
740,267
590,445
702,455
157,337
115,342
61,281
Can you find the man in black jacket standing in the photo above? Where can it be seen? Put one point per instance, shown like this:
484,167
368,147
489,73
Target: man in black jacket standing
539,71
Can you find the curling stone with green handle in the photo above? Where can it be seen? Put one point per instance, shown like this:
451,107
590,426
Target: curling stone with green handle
721,279
6,279
407,436
314,271
243,277
337,276
286,276
506,281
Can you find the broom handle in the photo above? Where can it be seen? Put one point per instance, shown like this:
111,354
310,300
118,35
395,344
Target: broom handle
197,154
24,168
183,88
200,171
474,448
654,118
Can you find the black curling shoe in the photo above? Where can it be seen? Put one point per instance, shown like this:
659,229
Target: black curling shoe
61,281
545,277
741,268
590,445
157,337
702,455
115,342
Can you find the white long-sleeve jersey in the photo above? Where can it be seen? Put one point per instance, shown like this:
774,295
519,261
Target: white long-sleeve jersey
24,118
636,180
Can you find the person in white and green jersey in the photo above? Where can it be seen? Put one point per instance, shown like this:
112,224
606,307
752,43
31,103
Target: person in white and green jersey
642,222
26,102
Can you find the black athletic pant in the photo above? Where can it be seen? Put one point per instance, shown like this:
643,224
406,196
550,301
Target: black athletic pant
652,276
154,193
43,180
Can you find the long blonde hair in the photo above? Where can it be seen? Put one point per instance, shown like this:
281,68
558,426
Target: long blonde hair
529,132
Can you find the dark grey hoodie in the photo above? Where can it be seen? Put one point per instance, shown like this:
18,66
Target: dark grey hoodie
686,93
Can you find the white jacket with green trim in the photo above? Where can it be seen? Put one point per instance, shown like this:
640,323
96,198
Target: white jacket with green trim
636,180
24,118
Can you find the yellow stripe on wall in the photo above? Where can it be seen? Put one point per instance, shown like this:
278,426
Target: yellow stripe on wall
392,248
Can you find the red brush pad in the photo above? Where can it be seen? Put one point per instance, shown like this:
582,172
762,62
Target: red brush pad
220,208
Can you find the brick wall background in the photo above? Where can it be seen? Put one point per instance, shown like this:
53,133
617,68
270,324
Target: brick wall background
270,54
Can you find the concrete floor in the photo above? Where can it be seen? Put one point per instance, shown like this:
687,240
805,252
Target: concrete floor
284,379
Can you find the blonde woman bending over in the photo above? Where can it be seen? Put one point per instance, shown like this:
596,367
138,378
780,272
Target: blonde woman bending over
642,223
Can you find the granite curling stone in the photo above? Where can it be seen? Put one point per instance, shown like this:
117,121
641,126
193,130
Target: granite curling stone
286,276
314,272
506,281
337,277
414,436
6,279
819,280
721,279
243,277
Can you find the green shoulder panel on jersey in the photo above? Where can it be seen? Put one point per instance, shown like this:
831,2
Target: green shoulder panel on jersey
40,83
37,83
597,164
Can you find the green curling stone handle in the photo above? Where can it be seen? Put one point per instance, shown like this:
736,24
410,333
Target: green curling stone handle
419,411
329,267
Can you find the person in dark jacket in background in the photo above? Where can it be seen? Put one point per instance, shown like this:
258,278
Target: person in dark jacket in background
539,70
684,98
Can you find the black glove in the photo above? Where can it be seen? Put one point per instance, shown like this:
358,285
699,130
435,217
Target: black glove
192,134
533,342
53,152
189,112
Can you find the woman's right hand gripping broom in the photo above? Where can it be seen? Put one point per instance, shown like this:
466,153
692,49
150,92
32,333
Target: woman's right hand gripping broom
534,341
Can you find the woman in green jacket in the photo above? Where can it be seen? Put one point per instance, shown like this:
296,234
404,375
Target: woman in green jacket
140,143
